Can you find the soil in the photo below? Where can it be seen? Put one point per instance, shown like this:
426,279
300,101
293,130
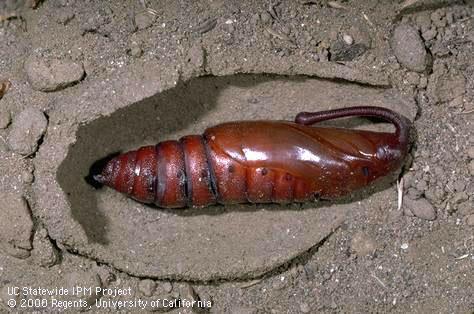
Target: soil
80,80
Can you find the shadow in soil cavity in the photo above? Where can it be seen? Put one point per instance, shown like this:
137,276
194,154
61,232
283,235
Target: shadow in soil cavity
188,108
143,123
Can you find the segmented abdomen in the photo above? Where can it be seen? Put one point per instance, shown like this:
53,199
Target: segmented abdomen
190,172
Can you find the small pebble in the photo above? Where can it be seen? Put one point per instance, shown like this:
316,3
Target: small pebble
50,75
409,48
421,208
429,34
348,39
147,287
26,130
404,246
136,52
167,286
27,177
422,185
144,20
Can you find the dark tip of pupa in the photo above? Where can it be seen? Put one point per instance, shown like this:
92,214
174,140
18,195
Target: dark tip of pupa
96,176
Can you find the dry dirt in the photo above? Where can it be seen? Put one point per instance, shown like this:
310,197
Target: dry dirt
84,79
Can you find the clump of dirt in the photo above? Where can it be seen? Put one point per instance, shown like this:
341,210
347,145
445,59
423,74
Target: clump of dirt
83,79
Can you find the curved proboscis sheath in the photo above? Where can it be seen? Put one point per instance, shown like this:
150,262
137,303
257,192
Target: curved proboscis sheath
262,161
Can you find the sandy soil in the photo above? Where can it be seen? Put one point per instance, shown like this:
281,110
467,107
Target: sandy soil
83,79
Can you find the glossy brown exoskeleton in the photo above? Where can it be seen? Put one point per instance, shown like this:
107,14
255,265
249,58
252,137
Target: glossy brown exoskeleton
261,161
